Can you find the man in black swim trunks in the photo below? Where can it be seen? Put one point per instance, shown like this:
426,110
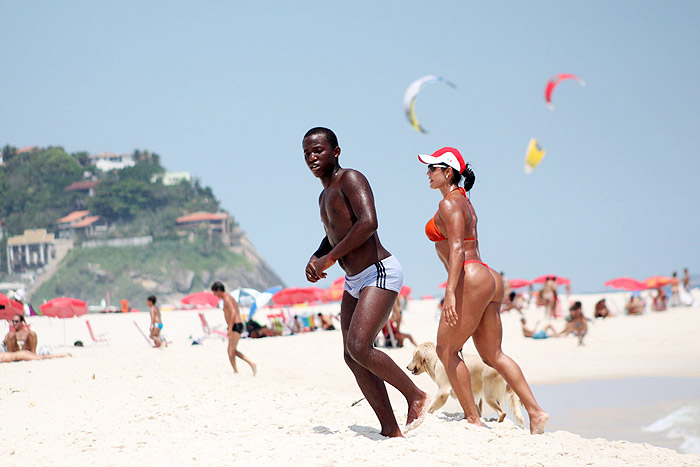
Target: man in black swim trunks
234,326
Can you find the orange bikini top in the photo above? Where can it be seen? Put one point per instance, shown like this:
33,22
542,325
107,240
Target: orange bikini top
434,234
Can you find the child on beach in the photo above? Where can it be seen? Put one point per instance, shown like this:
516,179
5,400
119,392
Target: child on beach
372,282
156,323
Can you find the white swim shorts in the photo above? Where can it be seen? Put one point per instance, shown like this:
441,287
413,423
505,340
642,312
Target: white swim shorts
386,274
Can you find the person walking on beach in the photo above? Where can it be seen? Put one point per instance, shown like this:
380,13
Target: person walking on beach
549,297
372,282
234,325
156,323
473,292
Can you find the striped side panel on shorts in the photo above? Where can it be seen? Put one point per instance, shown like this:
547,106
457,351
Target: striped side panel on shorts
381,275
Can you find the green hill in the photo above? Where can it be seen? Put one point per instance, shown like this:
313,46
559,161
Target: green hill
164,268
134,202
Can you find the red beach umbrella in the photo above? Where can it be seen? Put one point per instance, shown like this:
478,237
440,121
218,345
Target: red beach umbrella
658,281
296,295
405,291
64,307
542,279
517,283
201,298
334,293
9,308
626,283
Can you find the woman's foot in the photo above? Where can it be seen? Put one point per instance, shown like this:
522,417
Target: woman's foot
537,422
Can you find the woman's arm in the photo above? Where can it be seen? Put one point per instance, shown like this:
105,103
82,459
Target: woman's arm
451,216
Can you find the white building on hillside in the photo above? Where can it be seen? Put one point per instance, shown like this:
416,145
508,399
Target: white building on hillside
107,161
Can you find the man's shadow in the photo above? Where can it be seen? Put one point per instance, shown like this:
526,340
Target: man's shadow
368,432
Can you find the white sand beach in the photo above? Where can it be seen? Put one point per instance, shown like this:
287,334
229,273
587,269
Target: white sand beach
124,403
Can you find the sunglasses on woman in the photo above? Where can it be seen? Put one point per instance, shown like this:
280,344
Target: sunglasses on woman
433,167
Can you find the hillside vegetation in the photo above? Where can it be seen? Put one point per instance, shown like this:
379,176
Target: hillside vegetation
135,202
164,268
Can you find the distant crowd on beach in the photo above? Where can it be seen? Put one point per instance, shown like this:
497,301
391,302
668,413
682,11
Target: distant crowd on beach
668,292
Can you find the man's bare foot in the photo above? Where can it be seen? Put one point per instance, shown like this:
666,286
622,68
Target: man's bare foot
537,423
416,412
396,433
255,368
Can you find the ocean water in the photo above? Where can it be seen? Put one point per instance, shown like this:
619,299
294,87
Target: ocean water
663,412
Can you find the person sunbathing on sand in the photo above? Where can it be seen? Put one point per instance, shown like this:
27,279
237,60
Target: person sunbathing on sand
22,355
548,331
578,324
372,282
20,336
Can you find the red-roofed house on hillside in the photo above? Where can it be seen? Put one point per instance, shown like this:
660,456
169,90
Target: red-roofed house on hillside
80,222
84,186
218,222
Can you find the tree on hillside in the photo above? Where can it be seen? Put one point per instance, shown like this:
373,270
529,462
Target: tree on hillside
123,199
34,185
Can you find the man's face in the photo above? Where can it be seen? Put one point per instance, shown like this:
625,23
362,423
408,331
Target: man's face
17,322
218,293
320,157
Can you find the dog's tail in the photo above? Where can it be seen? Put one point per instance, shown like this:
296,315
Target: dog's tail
514,403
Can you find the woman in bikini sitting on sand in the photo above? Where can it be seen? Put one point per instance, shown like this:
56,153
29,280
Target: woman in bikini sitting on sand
473,293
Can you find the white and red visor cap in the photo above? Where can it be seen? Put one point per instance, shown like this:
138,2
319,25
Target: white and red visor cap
446,155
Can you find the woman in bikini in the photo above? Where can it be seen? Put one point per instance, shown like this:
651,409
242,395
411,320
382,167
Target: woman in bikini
473,293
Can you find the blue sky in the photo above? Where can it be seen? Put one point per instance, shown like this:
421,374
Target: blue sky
226,90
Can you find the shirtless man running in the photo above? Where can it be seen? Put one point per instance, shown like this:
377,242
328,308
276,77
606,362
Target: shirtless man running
372,282
234,326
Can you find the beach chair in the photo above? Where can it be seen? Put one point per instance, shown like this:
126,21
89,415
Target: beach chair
386,337
101,338
208,331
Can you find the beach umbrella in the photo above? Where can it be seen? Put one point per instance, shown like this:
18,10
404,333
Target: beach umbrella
658,281
201,298
334,293
542,279
517,283
297,295
9,308
626,283
64,307
405,291
245,296
263,299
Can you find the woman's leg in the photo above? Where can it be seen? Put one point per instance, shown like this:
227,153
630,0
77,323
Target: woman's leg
487,340
475,290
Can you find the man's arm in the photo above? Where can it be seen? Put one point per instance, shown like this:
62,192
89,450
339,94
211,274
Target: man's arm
356,189
228,313
323,249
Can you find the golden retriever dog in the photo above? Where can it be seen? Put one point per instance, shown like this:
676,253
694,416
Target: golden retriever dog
487,384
